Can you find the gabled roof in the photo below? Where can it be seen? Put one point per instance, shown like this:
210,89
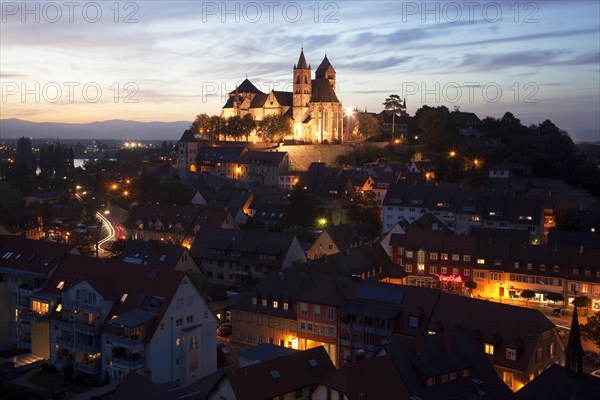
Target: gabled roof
495,321
355,261
153,253
16,220
432,356
371,379
188,137
245,87
281,375
323,67
31,258
219,154
136,386
284,99
268,248
554,383
258,101
284,287
322,92
113,280
273,158
347,235
265,352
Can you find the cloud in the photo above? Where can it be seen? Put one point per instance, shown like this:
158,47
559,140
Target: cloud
528,59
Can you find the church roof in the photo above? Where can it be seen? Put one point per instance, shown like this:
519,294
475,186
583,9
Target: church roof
259,100
574,347
322,92
187,136
284,98
325,64
302,61
246,87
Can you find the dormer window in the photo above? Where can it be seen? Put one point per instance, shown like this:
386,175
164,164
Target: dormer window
529,266
489,348
576,272
409,254
556,268
511,354
60,285
517,264
264,302
413,321
480,261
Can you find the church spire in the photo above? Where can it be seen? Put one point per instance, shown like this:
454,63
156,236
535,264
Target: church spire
574,351
302,61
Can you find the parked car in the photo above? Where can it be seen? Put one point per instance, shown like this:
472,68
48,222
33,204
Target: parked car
224,330
592,356
596,373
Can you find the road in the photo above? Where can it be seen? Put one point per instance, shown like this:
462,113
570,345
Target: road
114,231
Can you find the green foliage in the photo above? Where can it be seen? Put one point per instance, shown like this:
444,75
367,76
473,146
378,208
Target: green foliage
360,155
234,127
591,330
301,210
437,130
394,104
528,294
471,284
368,126
555,297
273,128
200,282
247,126
365,209
582,302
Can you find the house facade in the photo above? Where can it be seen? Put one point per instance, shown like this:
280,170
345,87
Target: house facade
108,318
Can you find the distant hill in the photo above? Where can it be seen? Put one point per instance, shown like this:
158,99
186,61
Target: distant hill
113,129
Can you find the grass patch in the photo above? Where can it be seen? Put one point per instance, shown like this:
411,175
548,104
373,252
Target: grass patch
47,380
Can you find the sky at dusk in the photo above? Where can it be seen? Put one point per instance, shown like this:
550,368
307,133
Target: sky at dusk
168,61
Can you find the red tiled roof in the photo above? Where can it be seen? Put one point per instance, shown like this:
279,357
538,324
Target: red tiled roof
30,255
258,381
112,279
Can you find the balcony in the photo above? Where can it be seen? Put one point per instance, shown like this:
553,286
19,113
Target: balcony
87,368
80,306
26,291
24,325
134,344
128,364
78,346
77,326
24,344
32,316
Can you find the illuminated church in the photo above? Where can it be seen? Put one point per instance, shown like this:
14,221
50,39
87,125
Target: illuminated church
312,106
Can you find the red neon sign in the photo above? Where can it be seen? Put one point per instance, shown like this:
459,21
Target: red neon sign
449,278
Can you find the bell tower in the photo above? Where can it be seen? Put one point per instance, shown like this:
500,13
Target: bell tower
301,93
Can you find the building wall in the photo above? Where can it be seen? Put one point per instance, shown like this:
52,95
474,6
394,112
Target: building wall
317,326
166,355
254,328
323,245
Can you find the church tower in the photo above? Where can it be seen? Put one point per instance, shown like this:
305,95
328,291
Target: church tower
326,71
574,351
301,94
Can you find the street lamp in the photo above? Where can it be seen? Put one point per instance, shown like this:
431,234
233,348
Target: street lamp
452,153
348,112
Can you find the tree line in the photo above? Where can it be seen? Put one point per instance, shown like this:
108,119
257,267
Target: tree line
272,128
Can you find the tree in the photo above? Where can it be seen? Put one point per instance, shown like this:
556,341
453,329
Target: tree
582,302
273,128
200,282
394,104
116,248
437,129
555,297
365,209
471,284
527,294
368,126
567,219
216,127
301,210
234,127
248,125
201,125
591,330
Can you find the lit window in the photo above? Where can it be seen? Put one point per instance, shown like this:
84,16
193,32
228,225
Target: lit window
124,297
489,348
275,304
59,308
409,254
455,257
467,258
433,256
177,342
60,285
480,261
